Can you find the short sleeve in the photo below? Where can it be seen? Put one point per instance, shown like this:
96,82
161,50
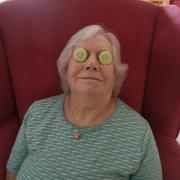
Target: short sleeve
150,166
19,150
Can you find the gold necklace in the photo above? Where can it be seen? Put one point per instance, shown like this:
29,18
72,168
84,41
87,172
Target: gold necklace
77,133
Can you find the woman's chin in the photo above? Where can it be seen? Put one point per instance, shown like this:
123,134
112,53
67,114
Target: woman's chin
88,91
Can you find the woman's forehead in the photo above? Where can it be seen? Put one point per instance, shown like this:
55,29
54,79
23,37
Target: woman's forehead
97,42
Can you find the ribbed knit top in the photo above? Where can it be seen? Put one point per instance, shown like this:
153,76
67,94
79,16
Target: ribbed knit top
122,147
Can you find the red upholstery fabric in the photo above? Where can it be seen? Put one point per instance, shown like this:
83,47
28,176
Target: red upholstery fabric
170,156
162,97
8,132
163,87
41,29
9,123
33,33
7,104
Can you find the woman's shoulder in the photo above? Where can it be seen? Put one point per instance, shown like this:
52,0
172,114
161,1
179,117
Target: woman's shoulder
54,102
46,106
128,126
44,109
129,119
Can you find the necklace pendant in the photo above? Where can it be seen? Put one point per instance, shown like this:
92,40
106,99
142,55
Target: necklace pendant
77,134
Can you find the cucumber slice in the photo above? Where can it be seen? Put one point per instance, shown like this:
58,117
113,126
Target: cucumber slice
80,55
105,57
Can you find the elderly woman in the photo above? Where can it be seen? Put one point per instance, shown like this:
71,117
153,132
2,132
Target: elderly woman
87,132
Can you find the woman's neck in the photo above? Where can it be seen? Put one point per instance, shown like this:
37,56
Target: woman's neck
87,111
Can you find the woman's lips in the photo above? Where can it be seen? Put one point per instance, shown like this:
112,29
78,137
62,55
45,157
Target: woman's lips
90,78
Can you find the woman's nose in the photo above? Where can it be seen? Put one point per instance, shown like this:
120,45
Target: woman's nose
92,64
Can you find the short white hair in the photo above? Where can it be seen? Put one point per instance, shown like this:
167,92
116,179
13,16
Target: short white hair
81,36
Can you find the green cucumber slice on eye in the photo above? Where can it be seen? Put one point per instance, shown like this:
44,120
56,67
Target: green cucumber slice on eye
80,55
105,57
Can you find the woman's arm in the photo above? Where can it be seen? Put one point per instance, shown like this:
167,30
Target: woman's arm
18,152
10,175
150,166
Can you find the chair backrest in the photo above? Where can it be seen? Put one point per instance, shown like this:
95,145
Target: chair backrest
35,32
162,96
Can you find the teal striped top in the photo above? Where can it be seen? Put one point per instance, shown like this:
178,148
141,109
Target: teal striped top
122,147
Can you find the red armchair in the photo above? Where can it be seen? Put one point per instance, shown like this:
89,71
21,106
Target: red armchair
33,34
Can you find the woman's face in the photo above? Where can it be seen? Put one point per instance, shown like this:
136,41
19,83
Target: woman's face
90,77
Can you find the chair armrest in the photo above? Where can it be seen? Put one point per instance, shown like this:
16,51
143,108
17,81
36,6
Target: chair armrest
8,131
